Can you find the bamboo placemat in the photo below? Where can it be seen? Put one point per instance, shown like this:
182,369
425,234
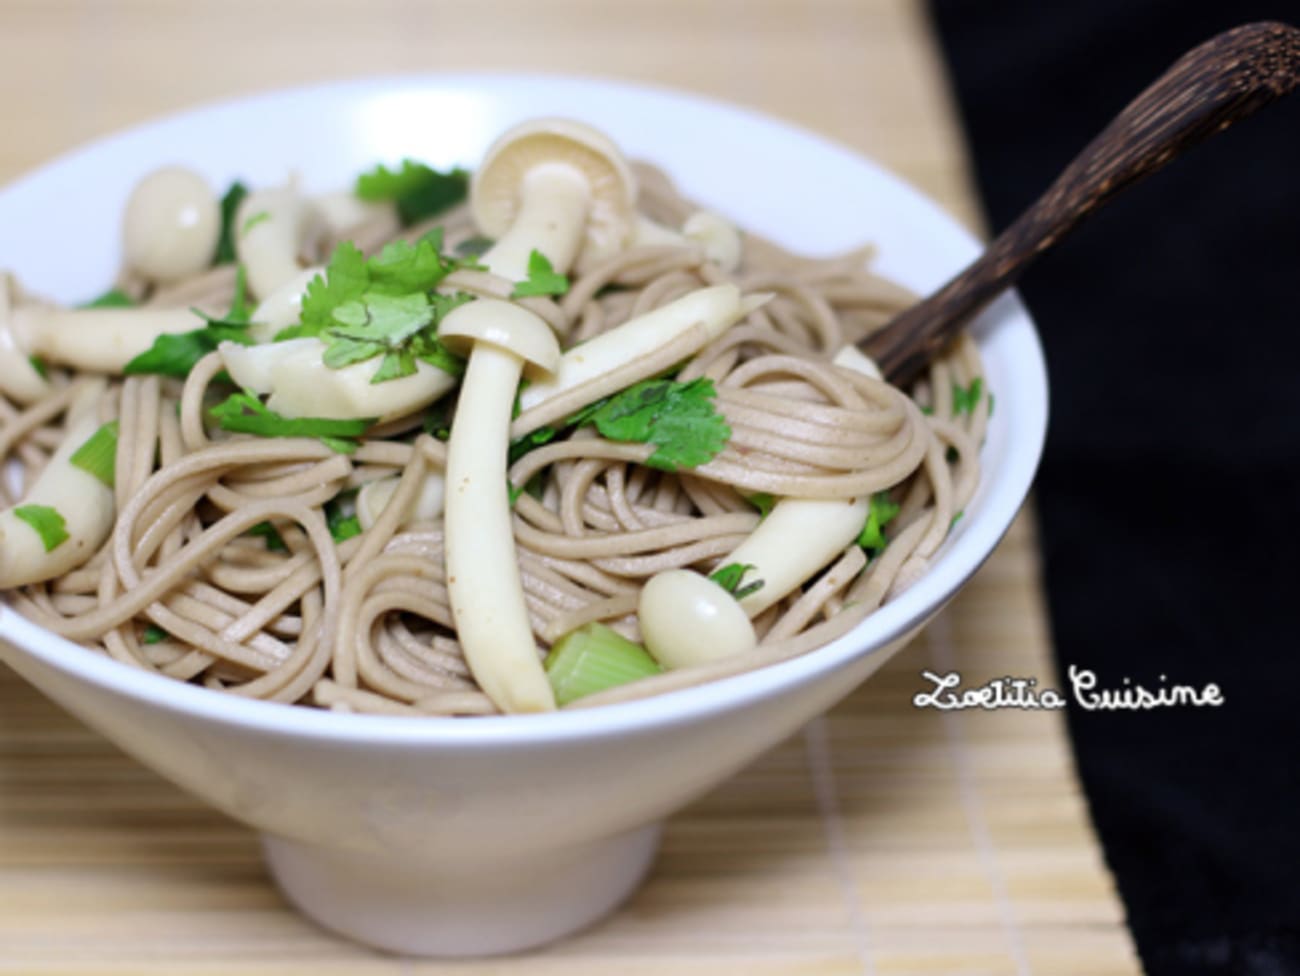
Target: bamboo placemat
883,839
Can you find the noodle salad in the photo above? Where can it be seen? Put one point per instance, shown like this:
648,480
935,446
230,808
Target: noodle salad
547,435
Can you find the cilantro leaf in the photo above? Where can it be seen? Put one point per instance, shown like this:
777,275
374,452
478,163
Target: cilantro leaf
175,354
345,280
881,512
113,298
419,191
679,418
763,501
542,279
244,413
383,306
229,205
530,442
39,364
966,400
47,522
729,577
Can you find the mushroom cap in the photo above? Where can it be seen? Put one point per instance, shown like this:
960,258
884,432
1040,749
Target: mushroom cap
503,324
495,188
171,224
688,619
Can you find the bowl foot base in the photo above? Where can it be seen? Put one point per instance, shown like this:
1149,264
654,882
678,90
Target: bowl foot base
406,905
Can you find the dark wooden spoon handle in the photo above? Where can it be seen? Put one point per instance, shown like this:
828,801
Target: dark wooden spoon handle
1228,78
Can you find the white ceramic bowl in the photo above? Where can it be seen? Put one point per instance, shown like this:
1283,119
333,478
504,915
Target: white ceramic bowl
472,836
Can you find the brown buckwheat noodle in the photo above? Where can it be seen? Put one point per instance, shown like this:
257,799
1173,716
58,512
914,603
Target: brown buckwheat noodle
365,625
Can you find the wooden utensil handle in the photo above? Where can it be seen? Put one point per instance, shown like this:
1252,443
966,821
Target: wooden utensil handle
1228,78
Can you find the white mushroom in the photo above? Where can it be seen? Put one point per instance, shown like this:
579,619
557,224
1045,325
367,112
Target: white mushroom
717,237
374,497
294,373
688,619
20,381
97,340
483,582
171,225
74,507
799,537
851,357
342,211
715,309
282,307
553,185
273,229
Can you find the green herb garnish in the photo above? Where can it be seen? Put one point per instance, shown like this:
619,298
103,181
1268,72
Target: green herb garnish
47,522
679,418
542,278
113,298
98,455
229,206
729,577
153,634
592,658
763,501
244,413
417,190
250,222
267,531
38,364
881,512
341,516
176,354
382,306
965,400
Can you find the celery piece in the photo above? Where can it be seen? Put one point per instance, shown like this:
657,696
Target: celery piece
593,658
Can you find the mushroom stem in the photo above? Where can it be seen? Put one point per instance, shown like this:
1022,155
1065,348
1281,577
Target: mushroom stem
800,535
85,504
273,227
483,581
716,309
19,379
98,340
552,217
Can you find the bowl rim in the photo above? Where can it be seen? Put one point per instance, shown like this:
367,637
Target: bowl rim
1005,490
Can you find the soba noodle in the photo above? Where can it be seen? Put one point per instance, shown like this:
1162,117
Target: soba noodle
183,589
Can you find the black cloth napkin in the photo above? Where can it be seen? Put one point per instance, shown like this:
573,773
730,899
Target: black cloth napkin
1169,496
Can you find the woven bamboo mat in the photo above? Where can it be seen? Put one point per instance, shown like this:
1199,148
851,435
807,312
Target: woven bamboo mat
883,839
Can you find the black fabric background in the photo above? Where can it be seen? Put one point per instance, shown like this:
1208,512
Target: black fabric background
1168,492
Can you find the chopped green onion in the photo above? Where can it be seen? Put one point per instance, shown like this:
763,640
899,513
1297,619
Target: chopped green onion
593,658
98,456
47,522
